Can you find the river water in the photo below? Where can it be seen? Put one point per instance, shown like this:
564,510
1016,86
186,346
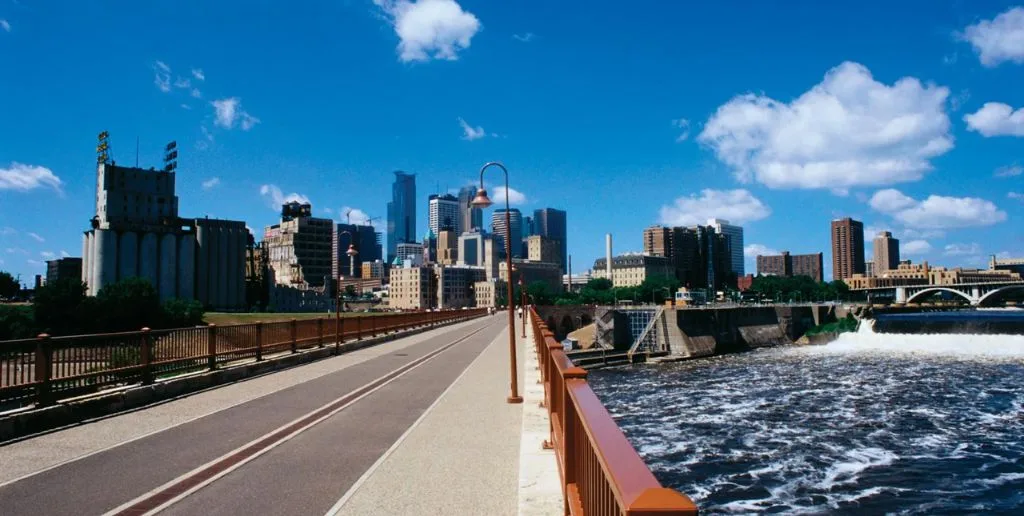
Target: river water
871,423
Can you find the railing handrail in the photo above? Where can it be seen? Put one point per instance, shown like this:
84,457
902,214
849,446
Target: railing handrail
633,486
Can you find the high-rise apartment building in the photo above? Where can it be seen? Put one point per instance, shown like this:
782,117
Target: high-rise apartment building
63,269
699,256
300,247
480,250
786,264
550,223
543,249
443,213
447,247
886,253
516,225
847,248
363,238
734,237
401,212
470,218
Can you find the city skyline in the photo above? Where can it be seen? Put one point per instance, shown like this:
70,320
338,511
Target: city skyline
245,149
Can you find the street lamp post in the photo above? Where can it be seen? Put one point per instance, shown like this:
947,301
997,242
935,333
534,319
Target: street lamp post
482,201
522,303
351,273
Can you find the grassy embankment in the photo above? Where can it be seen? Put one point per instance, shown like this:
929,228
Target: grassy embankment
847,324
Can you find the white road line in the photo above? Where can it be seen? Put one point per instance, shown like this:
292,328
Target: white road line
195,393
380,461
181,478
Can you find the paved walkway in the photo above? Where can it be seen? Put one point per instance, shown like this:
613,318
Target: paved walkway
414,426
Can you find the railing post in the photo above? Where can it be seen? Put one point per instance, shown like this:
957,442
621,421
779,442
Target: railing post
44,358
259,340
340,330
320,332
570,420
359,327
146,356
211,347
373,326
293,329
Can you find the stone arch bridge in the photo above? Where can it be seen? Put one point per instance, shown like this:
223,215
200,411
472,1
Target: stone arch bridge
977,294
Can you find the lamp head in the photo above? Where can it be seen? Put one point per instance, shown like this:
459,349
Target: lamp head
481,200
351,250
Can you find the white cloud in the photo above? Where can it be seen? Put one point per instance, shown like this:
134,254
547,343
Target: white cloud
996,119
514,197
849,130
962,249
23,178
427,29
998,40
5,25
471,133
211,183
198,74
4,231
48,255
1009,171
956,102
64,254
737,206
916,247
937,212
34,263
36,237
196,93
755,250
1015,195
16,250
871,231
186,107
525,38
229,111
683,124
182,82
275,197
162,76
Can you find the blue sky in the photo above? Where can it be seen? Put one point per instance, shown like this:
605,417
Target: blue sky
905,115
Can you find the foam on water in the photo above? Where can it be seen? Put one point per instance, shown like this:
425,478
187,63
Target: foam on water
877,423
865,340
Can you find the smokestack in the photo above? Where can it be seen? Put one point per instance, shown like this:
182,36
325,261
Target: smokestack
608,255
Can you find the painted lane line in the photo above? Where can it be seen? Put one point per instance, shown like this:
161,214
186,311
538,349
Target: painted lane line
179,488
380,461
426,335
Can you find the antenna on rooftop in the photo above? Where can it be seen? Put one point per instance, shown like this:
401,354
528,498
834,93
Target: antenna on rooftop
103,148
171,156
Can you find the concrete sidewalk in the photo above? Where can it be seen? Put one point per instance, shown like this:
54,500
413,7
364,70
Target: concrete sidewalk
462,456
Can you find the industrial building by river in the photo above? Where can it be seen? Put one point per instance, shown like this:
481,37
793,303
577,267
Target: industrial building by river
137,232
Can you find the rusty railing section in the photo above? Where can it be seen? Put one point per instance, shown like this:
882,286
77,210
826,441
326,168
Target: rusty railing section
46,369
601,472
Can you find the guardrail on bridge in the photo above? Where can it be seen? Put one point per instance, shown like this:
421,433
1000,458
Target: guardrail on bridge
46,369
601,472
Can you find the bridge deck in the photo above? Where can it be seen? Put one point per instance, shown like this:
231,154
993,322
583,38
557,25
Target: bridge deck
386,430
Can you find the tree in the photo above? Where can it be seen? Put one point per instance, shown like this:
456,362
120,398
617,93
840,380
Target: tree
182,313
129,304
350,291
16,322
9,286
61,308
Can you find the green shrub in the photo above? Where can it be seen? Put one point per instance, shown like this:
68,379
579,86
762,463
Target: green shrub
17,322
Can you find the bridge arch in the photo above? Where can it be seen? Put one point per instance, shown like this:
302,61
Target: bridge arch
932,290
986,299
567,326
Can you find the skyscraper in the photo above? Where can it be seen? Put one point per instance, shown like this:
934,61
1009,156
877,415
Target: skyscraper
734,235
443,213
516,224
470,218
886,252
401,212
847,248
550,223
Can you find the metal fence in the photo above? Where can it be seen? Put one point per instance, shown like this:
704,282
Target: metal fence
46,369
601,472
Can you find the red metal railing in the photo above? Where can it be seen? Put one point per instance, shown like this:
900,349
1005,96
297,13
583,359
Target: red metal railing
44,370
601,472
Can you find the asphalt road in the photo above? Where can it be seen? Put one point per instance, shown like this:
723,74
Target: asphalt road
295,451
